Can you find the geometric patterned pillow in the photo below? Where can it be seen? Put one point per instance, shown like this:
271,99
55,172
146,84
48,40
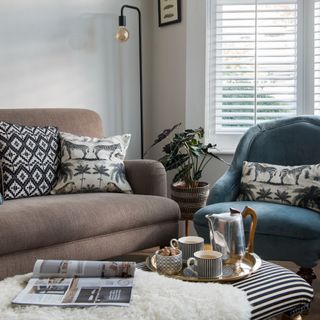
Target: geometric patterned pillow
29,160
92,164
291,185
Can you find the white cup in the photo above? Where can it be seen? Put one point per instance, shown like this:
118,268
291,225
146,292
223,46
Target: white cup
206,264
188,245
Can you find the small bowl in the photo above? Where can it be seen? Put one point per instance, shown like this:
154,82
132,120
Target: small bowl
169,264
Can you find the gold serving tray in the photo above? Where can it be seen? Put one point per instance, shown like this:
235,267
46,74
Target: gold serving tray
249,264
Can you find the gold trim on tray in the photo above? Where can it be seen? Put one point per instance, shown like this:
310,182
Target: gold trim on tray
232,270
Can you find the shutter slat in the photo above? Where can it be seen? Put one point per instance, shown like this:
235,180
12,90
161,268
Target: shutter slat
225,108
259,100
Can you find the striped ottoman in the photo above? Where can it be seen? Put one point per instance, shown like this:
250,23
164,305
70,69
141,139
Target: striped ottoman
274,290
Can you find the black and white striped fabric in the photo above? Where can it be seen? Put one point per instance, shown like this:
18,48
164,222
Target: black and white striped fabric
274,290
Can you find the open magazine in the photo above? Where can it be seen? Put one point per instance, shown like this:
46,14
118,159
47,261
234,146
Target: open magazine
79,283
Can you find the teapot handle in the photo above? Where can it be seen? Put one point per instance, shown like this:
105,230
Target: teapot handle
249,211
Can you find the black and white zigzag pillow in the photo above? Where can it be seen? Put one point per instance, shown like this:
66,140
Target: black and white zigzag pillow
29,159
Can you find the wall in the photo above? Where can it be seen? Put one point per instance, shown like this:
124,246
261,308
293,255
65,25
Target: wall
178,85
168,75
63,53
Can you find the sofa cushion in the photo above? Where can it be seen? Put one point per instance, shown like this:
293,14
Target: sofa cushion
29,159
92,164
49,220
292,185
273,219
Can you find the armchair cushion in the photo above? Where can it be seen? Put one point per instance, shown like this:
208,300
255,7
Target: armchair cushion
291,185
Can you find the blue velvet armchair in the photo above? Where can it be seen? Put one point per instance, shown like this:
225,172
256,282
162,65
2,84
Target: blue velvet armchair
284,233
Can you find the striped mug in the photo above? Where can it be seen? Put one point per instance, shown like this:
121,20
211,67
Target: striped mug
206,264
188,245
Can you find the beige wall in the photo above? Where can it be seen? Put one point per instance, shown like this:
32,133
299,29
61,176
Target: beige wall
64,54
174,70
174,64
168,76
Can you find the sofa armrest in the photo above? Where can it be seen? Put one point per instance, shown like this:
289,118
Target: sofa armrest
147,177
226,188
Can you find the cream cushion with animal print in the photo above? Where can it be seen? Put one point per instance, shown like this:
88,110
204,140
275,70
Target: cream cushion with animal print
92,164
291,185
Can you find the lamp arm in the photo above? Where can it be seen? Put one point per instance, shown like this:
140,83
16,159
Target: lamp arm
131,7
140,74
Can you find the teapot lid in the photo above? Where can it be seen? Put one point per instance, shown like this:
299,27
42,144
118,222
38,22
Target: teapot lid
234,211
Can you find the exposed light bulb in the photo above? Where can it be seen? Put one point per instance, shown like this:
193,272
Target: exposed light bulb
122,34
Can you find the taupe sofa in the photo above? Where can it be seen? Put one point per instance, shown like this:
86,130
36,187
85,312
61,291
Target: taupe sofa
84,226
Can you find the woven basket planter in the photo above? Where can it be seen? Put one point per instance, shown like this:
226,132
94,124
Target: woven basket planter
190,199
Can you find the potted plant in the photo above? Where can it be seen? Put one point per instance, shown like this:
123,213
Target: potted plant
186,153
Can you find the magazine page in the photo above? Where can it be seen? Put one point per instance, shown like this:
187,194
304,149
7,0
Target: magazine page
76,268
81,292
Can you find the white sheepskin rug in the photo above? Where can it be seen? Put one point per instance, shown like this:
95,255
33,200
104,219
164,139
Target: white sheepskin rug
154,297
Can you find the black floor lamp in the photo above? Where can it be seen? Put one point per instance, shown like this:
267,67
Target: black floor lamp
122,36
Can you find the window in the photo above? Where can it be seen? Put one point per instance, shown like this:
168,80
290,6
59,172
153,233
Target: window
255,67
317,57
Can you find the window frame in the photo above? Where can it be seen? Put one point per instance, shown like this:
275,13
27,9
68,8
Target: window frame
197,72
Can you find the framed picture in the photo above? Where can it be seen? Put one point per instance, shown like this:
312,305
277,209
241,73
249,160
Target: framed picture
169,12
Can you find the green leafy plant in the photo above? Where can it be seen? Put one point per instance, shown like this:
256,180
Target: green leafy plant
187,153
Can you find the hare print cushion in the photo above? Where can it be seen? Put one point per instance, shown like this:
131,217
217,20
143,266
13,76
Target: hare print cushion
291,185
92,164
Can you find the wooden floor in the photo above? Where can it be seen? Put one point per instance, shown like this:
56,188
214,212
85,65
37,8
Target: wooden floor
314,313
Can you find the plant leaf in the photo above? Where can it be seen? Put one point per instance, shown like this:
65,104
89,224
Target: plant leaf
173,162
196,151
164,134
197,176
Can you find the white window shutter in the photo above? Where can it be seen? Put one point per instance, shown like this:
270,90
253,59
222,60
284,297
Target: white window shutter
252,61
317,57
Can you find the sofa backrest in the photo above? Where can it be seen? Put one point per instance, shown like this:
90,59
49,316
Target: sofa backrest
292,141
77,121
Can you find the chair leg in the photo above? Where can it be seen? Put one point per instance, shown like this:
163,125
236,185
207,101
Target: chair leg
307,274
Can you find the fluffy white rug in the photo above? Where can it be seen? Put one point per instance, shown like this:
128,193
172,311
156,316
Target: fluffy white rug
154,297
